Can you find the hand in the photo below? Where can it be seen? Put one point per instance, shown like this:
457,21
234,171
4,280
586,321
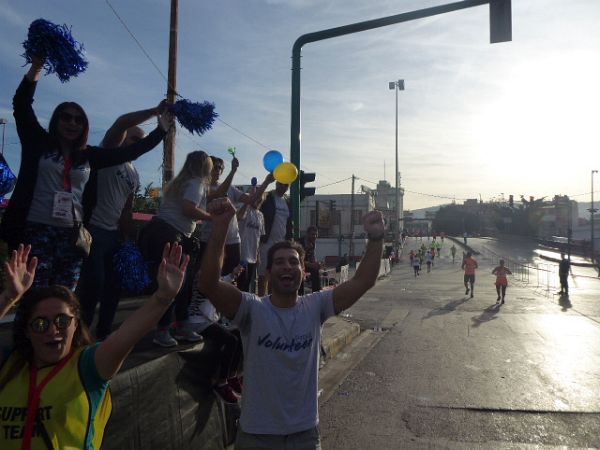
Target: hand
161,108
171,271
373,225
19,274
235,163
165,120
37,62
221,211
269,178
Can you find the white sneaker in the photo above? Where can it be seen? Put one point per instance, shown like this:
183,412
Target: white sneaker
163,338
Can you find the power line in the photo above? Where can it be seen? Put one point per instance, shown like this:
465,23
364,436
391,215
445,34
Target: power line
335,182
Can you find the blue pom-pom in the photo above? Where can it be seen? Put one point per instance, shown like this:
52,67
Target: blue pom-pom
131,269
195,117
62,53
7,178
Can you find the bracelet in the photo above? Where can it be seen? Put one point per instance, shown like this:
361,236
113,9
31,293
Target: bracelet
375,239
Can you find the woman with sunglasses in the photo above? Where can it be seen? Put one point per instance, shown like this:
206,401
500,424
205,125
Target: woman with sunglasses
54,383
46,209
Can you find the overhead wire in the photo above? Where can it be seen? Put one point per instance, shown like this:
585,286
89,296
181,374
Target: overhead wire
147,55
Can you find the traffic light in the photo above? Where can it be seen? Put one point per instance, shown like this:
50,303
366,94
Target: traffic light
306,178
500,21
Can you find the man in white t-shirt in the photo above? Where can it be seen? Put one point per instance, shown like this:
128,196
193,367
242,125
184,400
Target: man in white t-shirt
281,334
108,202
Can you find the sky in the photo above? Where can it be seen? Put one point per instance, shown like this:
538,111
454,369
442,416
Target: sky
476,120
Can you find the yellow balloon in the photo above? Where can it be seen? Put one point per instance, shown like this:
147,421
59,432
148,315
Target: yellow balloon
285,173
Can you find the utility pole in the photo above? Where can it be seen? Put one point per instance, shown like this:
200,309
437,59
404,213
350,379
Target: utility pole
169,143
351,246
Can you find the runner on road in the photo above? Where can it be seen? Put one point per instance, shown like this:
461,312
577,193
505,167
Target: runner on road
453,251
469,265
501,280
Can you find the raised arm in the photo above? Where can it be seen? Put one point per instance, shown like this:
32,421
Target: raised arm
112,352
28,127
221,191
19,277
225,297
346,294
101,157
117,133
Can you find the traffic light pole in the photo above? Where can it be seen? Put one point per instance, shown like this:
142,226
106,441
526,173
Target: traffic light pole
500,31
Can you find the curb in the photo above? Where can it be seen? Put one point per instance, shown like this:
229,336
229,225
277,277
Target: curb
337,333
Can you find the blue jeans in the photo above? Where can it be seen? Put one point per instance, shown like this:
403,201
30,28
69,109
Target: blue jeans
98,281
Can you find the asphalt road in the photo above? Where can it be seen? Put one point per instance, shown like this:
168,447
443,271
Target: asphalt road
448,371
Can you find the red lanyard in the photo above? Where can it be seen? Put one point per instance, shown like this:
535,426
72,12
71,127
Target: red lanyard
67,173
33,399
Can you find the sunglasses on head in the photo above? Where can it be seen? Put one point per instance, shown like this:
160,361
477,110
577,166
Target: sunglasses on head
41,324
68,117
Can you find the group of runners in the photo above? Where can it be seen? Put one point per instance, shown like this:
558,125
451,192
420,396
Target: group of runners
469,265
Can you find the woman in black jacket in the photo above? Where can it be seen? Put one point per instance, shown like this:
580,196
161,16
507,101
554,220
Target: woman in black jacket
45,208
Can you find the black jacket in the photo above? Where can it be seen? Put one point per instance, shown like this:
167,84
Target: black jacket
268,209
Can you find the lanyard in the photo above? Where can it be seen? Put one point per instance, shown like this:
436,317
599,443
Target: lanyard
33,398
67,173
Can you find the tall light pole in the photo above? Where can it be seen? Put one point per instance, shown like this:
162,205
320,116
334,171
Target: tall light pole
396,86
3,122
592,211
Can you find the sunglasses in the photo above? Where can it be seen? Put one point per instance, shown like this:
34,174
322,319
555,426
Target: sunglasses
68,117
41,324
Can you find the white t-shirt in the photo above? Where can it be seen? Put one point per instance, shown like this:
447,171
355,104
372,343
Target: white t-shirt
279,227
233,234
115,185
281,362
171,209
50,180
252,227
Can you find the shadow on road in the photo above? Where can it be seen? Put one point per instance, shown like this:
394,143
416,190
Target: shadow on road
488,314
445,309
564,302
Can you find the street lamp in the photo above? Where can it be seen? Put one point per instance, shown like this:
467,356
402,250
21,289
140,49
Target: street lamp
3,122
396,86
592,210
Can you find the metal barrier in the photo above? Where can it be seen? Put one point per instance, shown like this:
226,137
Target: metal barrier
538,276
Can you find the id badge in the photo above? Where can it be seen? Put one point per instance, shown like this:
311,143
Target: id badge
63,205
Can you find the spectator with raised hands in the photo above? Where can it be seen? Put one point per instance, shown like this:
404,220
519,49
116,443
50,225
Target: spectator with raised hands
54,374
46,207
281,333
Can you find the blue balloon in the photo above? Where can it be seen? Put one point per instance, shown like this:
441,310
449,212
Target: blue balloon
271,160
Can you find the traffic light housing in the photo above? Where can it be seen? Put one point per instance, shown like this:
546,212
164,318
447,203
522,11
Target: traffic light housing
306,178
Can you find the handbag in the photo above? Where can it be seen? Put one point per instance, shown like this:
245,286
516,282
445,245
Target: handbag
82,239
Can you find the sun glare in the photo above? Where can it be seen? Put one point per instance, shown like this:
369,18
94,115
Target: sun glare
545,112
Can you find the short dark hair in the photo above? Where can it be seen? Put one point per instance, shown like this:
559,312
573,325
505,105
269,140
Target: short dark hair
312,228
284,244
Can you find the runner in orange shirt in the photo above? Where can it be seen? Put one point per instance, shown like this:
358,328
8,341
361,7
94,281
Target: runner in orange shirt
501,281
469,265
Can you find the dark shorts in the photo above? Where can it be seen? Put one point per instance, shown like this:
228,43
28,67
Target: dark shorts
469,279
303,440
